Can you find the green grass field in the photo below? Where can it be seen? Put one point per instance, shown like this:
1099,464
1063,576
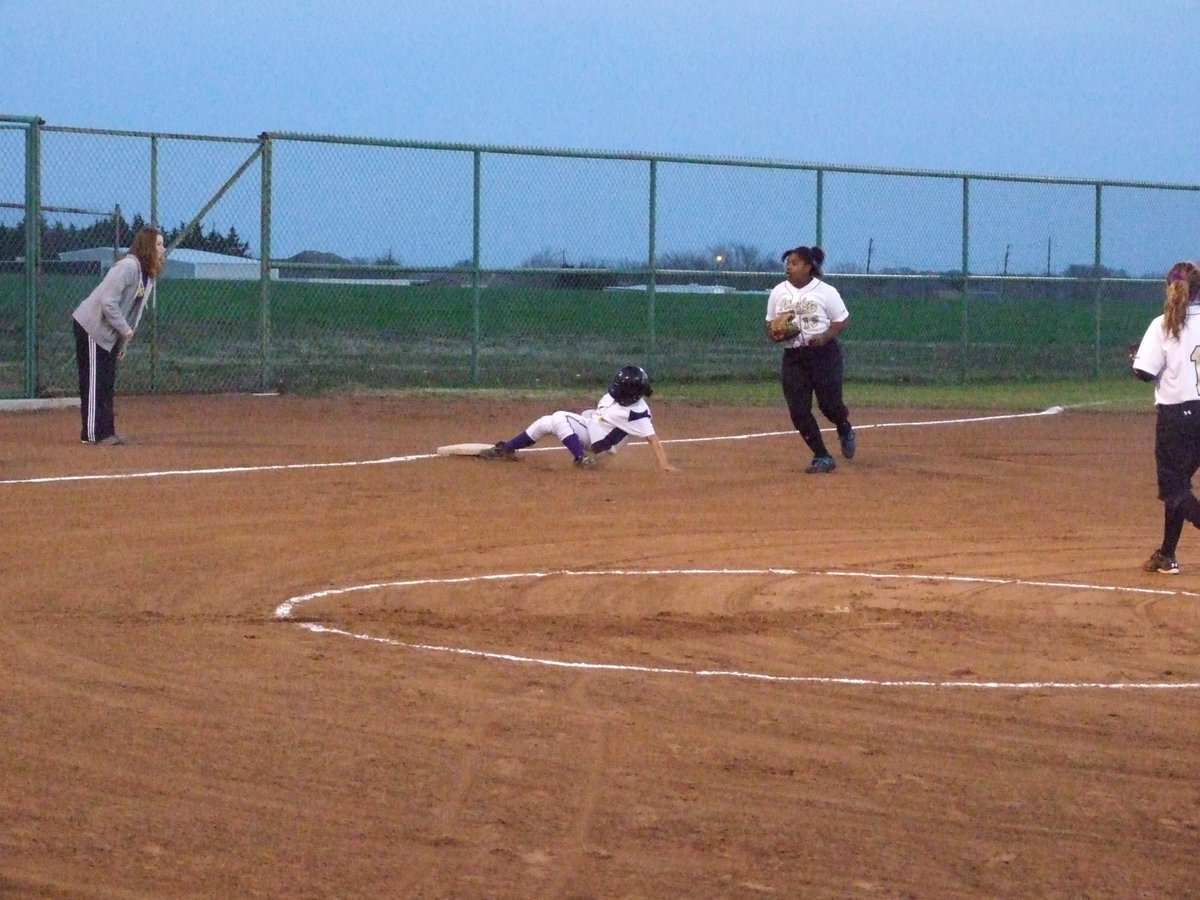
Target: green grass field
1124,394
1121,394
209,336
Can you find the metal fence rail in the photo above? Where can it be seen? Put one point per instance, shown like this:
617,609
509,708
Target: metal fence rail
377,263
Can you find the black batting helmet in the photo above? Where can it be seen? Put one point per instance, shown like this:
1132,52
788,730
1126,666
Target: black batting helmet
629,385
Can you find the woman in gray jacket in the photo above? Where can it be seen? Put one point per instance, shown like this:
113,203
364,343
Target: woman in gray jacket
104,326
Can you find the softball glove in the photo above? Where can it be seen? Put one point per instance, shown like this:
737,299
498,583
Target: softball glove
784,327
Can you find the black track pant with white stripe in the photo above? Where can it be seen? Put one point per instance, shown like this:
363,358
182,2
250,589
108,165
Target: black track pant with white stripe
97,385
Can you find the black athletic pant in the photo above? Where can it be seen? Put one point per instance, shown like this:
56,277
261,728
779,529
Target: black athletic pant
97,386
1177,459
814,370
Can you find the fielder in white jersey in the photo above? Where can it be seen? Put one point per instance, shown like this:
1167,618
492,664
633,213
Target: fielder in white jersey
622,413
817,305
1169,356
812,360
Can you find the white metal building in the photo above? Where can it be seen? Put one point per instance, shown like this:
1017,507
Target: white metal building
181,263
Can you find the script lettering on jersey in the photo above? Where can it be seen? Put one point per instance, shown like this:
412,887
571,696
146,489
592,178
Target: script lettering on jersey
806,312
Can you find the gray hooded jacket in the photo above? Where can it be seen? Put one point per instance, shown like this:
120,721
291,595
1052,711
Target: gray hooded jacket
115,306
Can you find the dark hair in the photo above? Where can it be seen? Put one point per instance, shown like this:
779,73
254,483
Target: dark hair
814,256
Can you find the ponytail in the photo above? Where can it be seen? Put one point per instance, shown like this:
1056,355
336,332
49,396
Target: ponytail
1183,289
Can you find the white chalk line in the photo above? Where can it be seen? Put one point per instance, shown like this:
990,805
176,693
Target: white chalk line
1051,411
391,460
226,470
284,612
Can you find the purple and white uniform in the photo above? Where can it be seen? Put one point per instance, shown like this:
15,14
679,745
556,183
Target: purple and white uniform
599,430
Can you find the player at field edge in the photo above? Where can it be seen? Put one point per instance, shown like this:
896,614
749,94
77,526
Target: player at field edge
1167,357
812,360
593,434
104,324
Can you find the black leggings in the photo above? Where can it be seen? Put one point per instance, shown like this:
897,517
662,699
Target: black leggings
814,370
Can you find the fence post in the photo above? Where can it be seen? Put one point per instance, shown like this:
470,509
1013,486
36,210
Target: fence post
154,223
820,207
966,274
264,263
33,249
651,259
477,191
154,180
1099,284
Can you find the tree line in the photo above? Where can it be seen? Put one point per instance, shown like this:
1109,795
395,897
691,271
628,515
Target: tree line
58,238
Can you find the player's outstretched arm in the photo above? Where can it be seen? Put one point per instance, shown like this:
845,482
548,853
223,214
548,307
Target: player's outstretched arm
660,454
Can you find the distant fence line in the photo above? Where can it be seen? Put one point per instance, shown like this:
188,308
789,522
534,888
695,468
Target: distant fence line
387,264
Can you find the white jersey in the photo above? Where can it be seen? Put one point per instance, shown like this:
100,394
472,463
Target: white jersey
816,305
1175,363
610,416
602,429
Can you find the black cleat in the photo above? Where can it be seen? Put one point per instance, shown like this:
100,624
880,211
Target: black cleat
821,465
498,451
1160,562
847,442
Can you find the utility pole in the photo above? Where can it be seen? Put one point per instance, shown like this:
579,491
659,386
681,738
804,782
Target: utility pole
870,251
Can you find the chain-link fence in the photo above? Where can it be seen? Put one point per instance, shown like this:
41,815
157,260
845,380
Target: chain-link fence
313,262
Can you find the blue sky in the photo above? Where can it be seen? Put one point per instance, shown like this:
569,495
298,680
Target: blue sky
1085,88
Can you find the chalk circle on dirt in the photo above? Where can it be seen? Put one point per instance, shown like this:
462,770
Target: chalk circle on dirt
286,612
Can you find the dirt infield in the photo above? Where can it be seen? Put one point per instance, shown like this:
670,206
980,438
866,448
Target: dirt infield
276,659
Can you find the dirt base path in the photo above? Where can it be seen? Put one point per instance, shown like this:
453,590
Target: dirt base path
937,672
